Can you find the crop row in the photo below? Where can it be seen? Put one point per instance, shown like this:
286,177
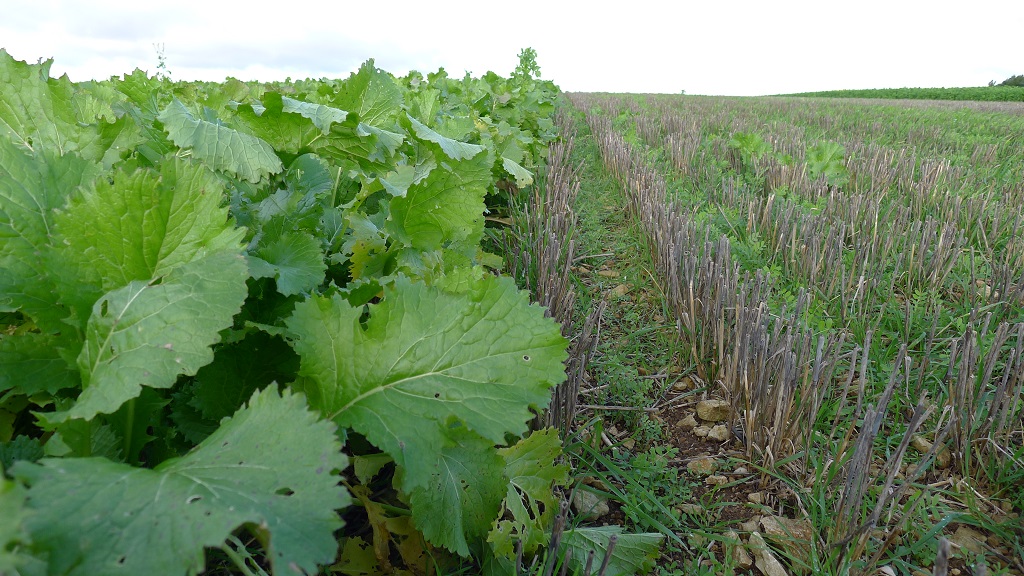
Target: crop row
889,283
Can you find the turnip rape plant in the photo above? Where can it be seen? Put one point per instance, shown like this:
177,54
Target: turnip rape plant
749,148
828,160
265,310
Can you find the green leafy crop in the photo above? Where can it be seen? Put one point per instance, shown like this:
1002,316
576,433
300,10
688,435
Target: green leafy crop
102,517
216,296
462,369
750,146
828,159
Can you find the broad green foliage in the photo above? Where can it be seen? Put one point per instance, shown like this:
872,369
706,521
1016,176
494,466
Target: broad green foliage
531,468
93,516
482,357
176,214
633,553
463,493
172,250
223,148
52,114
294,259
445,207
32,188
12,531
828,159
750,146
462,369
148,334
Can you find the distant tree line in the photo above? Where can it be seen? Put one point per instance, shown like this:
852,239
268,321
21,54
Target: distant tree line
1017,80
978,93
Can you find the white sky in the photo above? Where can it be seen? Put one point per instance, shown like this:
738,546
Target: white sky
735,47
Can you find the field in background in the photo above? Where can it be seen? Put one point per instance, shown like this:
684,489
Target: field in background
850,278
984,94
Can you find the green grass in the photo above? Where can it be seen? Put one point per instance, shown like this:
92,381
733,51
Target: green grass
637,341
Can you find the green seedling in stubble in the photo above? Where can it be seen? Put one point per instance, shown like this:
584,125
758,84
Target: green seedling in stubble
750,147
828,159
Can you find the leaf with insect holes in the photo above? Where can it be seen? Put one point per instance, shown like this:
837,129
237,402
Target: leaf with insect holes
221,147
463,492
93,516
477,360
532,472
149,333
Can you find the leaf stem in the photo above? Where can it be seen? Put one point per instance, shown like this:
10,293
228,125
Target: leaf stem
386,507
128,429
229,548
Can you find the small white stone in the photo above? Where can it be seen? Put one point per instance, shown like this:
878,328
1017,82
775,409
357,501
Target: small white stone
588,505
713,410
765,561
703,465
719,433
688,423
692,509
716,480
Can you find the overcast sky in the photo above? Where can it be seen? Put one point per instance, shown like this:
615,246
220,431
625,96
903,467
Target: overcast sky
734,47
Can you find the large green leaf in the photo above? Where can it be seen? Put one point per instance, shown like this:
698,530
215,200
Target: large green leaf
298,127
452,148
31,363
522,175
271,466
633,553
145,224
447,206
321,116
463,492
37,111
32,188
484,357
149,333
285,130
373,95
12,529
223,148
295,260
